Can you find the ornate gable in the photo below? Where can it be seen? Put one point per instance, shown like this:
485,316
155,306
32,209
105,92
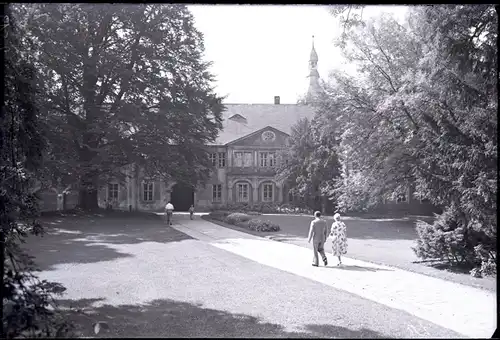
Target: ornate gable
266,137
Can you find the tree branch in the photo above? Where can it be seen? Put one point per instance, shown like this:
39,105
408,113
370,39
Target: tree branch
389,63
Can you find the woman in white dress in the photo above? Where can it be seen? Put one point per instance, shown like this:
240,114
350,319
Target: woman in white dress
338,236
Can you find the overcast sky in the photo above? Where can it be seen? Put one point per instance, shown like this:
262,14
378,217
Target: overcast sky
263,51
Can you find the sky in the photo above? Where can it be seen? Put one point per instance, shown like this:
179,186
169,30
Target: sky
259,52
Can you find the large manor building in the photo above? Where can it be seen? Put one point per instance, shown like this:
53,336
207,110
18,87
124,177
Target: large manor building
244,160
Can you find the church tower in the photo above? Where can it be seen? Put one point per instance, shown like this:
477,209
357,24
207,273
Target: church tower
314,87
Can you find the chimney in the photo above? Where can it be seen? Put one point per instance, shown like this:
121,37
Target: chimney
276,100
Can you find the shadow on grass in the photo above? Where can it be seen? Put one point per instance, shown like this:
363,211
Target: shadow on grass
88,238
298,226
358,268
459,269
169,318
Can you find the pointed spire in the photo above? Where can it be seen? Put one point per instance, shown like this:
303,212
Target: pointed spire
314,55
314,87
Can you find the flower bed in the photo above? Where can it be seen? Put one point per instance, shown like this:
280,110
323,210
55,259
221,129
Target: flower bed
244,220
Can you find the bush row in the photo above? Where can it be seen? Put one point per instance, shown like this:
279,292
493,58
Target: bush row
264,208
244,220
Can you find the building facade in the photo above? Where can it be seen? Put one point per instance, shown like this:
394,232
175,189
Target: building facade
244,160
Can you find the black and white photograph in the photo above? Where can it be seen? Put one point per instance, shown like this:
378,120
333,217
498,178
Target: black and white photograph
249,171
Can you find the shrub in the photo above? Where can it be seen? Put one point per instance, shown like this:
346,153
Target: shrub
262,225
219,215
236,218
453,239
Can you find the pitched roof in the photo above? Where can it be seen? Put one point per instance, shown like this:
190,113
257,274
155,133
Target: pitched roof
258,116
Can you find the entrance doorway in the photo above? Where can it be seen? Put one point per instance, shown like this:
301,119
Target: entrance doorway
182,197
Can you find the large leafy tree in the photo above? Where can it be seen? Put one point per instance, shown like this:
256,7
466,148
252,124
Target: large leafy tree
296,153
422,110
26,307
369,115
312,162
122,84
458,100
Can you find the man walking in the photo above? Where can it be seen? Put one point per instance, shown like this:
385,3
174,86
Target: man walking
169,208
191,211
318,233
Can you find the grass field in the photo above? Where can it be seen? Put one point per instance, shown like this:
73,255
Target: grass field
384,241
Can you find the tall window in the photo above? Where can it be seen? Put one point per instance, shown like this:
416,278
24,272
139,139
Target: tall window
238,159
263,159
112,191
213,158
222,159
247,159
267,193
216,192
243,159
242,192
267,159
272,159
147,191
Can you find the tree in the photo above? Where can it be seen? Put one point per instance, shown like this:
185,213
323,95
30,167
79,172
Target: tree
458,75
422,111
122,84
374,127
298,149
350,16
312,162
26,303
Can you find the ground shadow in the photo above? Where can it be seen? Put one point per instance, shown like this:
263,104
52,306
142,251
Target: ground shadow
358,268
459,269
169,318
401,229
381,230
89,238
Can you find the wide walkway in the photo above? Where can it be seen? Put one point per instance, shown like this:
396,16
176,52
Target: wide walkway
466,310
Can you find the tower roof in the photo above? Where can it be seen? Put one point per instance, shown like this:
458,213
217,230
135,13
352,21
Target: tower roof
314,86
314,73
314,55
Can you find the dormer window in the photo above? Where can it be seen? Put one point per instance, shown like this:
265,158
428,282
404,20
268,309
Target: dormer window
238,118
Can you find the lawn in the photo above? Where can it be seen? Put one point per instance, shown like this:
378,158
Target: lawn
384,241
74,238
